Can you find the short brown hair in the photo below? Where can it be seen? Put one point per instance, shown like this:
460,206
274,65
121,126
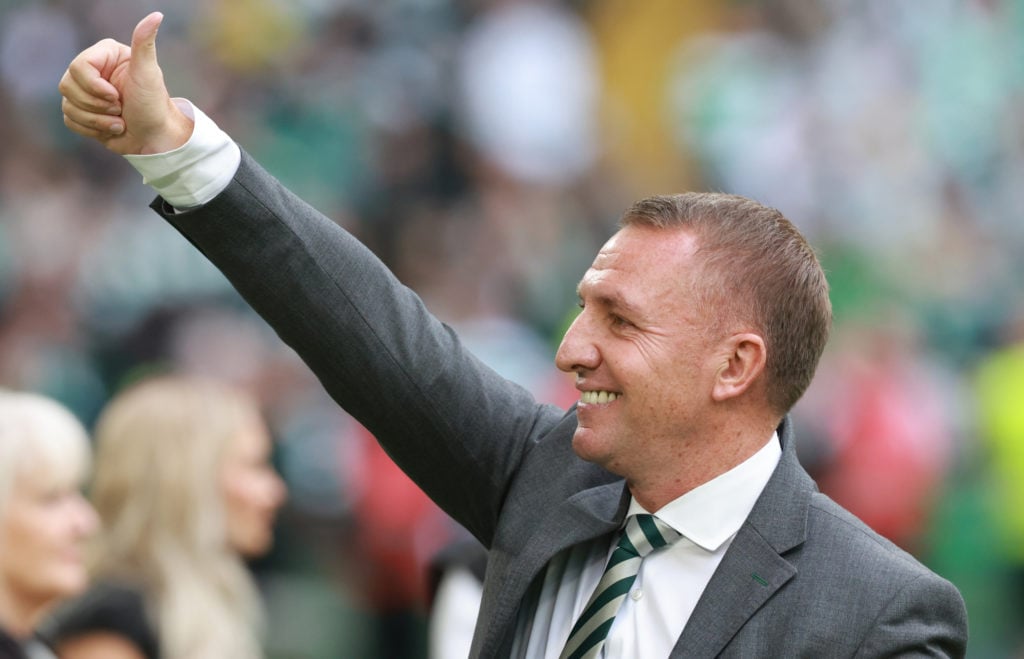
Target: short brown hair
756,268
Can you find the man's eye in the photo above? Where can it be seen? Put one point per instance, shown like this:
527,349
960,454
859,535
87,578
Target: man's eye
619,321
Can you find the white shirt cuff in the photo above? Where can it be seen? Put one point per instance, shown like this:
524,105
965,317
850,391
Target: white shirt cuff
197,171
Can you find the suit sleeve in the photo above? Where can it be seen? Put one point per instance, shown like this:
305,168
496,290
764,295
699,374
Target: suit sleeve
455,426
925,618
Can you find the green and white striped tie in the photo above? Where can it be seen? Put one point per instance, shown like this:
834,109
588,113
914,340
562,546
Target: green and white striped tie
642,535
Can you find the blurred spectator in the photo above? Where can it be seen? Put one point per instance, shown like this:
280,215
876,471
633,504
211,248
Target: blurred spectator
528,87
888,417
44,520
397,530
999,395
34,38
185,493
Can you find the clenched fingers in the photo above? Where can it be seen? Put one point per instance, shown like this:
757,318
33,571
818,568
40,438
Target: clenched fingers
89,79
89,123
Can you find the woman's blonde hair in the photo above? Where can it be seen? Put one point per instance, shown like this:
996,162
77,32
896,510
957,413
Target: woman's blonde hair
40,434
157,489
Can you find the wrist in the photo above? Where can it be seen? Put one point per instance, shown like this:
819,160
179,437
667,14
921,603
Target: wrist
177,131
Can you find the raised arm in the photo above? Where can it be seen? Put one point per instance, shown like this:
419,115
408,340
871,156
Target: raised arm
451,423
116,95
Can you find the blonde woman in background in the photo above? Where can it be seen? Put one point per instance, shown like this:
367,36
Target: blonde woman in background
44,520
185,491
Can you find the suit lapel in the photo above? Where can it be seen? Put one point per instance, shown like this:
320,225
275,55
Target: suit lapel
751,572
753,568
582,517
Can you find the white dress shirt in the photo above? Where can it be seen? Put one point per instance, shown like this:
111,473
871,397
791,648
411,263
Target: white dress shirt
670,581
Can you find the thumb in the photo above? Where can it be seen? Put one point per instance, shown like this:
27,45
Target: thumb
145,70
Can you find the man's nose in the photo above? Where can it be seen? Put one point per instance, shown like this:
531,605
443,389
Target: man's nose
578,350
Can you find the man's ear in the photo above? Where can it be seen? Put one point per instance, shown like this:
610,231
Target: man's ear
743,358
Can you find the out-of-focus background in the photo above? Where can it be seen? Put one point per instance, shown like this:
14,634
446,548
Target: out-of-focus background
484,149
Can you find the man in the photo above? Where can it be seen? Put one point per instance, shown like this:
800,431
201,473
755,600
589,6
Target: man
702,321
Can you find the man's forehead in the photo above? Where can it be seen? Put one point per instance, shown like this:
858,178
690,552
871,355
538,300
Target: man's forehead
606,258
635,246
612,278
605,262
618,249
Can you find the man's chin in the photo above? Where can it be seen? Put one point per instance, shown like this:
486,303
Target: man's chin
591,446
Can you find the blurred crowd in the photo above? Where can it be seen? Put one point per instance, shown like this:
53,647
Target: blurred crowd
484,149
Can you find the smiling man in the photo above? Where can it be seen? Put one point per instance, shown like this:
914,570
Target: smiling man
664,515
668,353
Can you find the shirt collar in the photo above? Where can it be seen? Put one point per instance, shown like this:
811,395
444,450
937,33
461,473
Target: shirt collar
712,513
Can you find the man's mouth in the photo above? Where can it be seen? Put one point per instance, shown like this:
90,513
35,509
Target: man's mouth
598,397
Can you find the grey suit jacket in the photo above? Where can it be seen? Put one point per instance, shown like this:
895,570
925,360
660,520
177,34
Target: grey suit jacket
803,577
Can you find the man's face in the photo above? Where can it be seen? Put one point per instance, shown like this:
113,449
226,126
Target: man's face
643,359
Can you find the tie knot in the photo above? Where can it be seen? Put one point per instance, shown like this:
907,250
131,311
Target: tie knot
645,533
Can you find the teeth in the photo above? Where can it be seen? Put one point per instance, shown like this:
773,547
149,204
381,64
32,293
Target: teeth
597,397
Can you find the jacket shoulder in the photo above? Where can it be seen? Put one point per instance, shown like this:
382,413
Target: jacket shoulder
845,537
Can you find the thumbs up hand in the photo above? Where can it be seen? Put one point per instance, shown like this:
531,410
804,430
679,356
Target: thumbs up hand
116,94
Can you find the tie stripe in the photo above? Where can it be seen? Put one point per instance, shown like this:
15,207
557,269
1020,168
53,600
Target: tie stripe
642,535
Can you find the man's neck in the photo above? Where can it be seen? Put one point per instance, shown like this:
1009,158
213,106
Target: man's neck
699,463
